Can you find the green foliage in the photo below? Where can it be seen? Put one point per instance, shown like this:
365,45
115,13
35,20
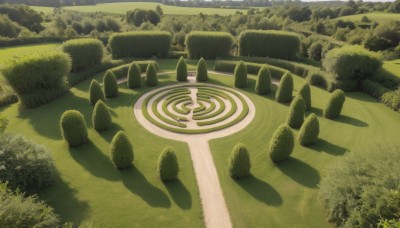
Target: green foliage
101,117
110,85
208,45
84,52
239,162
7,95
168,166
73,128
134,76
285,89
305,92
121,151
3,124
263,84
181,70
309,131
281,144
334,105
122,71
315,51
9,28
95,92
139,16
295,117
23,15
151,76
240,75
201,73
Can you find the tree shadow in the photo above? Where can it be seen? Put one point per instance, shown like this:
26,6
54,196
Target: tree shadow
109,133
316,111
260,190
324,146
300,172
179,194
351,121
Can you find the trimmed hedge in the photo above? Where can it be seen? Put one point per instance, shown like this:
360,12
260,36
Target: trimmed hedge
305,92
295,117
285,89
101,117
73,128
181,70
7,95
269,43
168,166
121,151
95,92
334,105
3,124
386,96
208,45
239,162
84,52
309,131
110,85
201,71
151,76
134,76
240,75
263,84
141,44
281,144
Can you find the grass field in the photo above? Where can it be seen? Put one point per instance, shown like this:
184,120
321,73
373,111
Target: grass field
123,7
379,17
392,67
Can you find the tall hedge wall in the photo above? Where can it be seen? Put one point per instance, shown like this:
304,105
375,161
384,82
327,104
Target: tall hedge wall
269,43
84,52
140,44
208,45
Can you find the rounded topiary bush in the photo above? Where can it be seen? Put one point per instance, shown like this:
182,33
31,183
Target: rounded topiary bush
239,162
181,70
285,89
282,144
335,104
295,117
84,52
134,76
309,131
73,128
263,84
168,167
240,75
110,85
151,76
95,92
121,151
305,92
202,74
101,118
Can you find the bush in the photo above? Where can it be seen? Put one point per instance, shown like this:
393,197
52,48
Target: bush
295,117
362,188
25,165
239,162
270,43
3,124
101,117
181,70
134,76
141,44
315,51
305,92
168,167
240,75
84,52
285,89
121,151
95,92
309,131
73,128
122,71
7,95
263,84
151,76
38,78
252,68
335,103
208,45
202,73
282,144
110,85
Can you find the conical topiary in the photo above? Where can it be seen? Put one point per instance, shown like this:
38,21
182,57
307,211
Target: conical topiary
285,89
110,85
73,128
305,92
168,167
239,162
95,92
181,70
202,74
121,151
134,76
263,84
309,132
282,144
335,104
295,117
151,76
240,75
101,118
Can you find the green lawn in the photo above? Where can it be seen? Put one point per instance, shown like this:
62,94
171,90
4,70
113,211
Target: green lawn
379,17
392,67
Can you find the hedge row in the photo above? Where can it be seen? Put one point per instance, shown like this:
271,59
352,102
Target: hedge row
122,71
7,42
7,95
208,45
84,52
386,96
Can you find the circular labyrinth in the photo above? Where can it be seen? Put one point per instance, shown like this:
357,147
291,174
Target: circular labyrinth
194,108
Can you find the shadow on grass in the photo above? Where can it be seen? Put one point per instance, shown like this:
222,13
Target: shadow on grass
260,190
324,146
351,121
179,194
300,172
109,133
317,111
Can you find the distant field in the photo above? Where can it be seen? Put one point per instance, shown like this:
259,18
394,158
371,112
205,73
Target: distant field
123,7
378,17
393,67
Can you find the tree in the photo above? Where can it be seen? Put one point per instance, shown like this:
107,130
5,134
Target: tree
282,144
159,10
151,75
136,17
110,85
394,7
134,76
295,117
73,128
239,162
334,105
309,131
168,167
121,151
202,74
240,75
181,70
263,84
305,92
153,17
101,118
285,89
95,92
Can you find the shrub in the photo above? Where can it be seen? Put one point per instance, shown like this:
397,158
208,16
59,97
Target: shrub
270,43
122,71
335,103
239,162
208,45
151,76
252,68
38,78
305,92
3,124
263,84
282,144
309,131
168,167
25,165
295,117
202,72
110,85
285,89
95,92
140,44
121,151
134,76
101,117
240,75
181,70
84,52
73,128
315,51
7,95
